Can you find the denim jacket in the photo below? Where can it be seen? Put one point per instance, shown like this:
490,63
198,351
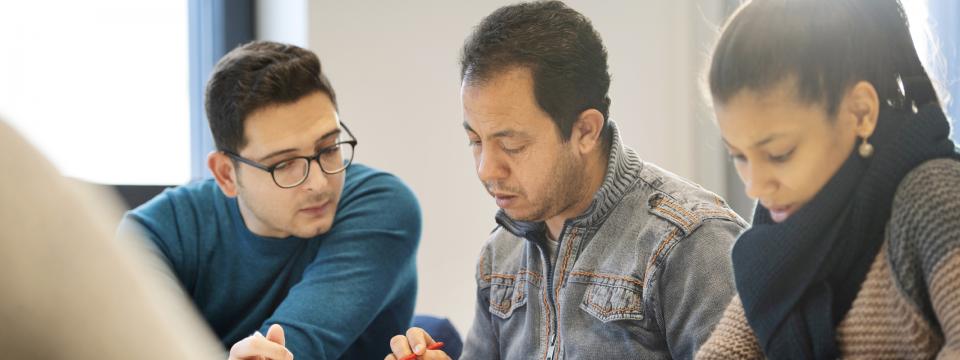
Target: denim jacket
643,273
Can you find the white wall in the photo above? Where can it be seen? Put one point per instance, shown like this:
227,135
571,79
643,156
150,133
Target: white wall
282,20
69,87
395,68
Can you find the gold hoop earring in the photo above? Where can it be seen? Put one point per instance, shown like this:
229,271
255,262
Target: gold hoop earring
865,149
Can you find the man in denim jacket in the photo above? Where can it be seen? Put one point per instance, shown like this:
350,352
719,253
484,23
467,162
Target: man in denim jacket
598,255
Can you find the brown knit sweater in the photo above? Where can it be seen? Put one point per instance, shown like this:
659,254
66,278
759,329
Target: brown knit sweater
908,307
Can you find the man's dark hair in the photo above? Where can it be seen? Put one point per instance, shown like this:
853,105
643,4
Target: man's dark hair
256,75
560,47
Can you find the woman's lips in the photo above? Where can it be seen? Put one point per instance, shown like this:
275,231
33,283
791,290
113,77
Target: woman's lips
780,213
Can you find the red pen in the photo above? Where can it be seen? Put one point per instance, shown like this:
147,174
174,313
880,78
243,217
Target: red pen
433,346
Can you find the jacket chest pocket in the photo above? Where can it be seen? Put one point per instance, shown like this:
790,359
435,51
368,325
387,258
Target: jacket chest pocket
508,293
611,297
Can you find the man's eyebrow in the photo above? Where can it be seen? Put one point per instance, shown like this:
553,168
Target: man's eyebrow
276,153
498,134
331,134
506,133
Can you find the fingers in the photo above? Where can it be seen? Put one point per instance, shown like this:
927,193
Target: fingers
275,334
414,345
400,347
257,346
418,340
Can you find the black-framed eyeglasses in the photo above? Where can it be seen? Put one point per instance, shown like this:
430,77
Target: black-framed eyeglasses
292,172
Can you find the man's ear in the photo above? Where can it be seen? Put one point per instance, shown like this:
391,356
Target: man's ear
587,130
223,172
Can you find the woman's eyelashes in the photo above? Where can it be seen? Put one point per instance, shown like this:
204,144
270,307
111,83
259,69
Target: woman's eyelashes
737,157
774,158
782,157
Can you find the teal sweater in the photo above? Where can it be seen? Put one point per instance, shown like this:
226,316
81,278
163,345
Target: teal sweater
342,294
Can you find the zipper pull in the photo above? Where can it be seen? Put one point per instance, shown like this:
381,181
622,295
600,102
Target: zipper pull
553,344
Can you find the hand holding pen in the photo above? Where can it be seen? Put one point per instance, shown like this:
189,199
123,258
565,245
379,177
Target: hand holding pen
416,344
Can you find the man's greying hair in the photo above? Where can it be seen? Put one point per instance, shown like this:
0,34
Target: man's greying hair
256,75
560,47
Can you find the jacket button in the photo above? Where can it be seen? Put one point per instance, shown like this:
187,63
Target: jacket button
654,200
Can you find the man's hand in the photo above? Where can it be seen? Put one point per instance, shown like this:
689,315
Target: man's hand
415,342
258,347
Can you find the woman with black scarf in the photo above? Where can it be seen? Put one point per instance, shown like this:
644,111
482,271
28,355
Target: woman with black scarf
836,129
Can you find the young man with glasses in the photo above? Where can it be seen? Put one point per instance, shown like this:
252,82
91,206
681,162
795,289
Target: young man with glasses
291,238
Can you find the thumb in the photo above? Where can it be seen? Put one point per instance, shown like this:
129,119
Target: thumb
275,334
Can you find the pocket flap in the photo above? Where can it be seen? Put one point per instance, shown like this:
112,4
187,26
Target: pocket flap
507,293
611,297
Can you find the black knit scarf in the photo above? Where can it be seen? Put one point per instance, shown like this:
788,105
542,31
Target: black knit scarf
797,279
